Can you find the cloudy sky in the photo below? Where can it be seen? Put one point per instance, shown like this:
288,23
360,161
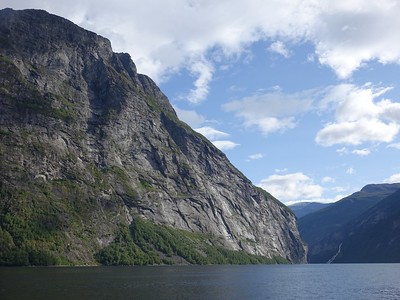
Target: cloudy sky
303,96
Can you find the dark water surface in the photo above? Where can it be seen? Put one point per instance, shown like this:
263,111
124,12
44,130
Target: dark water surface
342,281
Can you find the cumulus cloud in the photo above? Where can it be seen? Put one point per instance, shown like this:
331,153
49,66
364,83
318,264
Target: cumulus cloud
255,156
360,114
280,48
395,178
212,133
271,112
351,33
291,187
204,72
362,152
358,117
225,145
395,145
350,171
217,137
342,151
328,179
357,132
164,37
190,117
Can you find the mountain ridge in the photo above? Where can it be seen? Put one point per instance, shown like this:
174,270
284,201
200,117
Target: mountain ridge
323,230
373,237
305,208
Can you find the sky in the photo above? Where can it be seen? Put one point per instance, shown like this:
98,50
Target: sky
303,96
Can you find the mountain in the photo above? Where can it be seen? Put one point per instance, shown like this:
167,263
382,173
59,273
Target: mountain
373,237
320,228
304,208
97,168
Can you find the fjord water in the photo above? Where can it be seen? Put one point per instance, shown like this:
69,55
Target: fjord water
338,281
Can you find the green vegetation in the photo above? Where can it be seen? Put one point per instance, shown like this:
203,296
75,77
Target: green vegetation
12,254
123,251
122,178
152,103
29,242
43,104
41,222
146,243
31,226
146,185
4,132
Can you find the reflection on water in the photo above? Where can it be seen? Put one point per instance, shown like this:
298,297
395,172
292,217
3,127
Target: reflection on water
350,281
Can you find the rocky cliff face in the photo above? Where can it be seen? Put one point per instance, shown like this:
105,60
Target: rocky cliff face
326,229
88,145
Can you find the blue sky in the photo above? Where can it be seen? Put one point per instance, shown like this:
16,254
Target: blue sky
301,95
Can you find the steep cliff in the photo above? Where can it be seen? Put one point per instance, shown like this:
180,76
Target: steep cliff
373,237
325,229
89,148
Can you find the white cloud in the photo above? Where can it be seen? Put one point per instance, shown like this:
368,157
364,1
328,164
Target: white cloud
280,48
256,156
354,32
194,119
190,117
395,178
350,171
345,33
215,137
395,145
362,152
357,132
358,118
225,145
212,133
342,151
204,71
271,112
360,114
269,125
328,179
291,187
167,36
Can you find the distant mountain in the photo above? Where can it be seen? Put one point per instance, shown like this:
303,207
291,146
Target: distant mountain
373,237
305,208
96,167
322,229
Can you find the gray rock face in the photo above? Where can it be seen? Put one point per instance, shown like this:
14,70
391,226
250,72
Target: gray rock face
94,144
